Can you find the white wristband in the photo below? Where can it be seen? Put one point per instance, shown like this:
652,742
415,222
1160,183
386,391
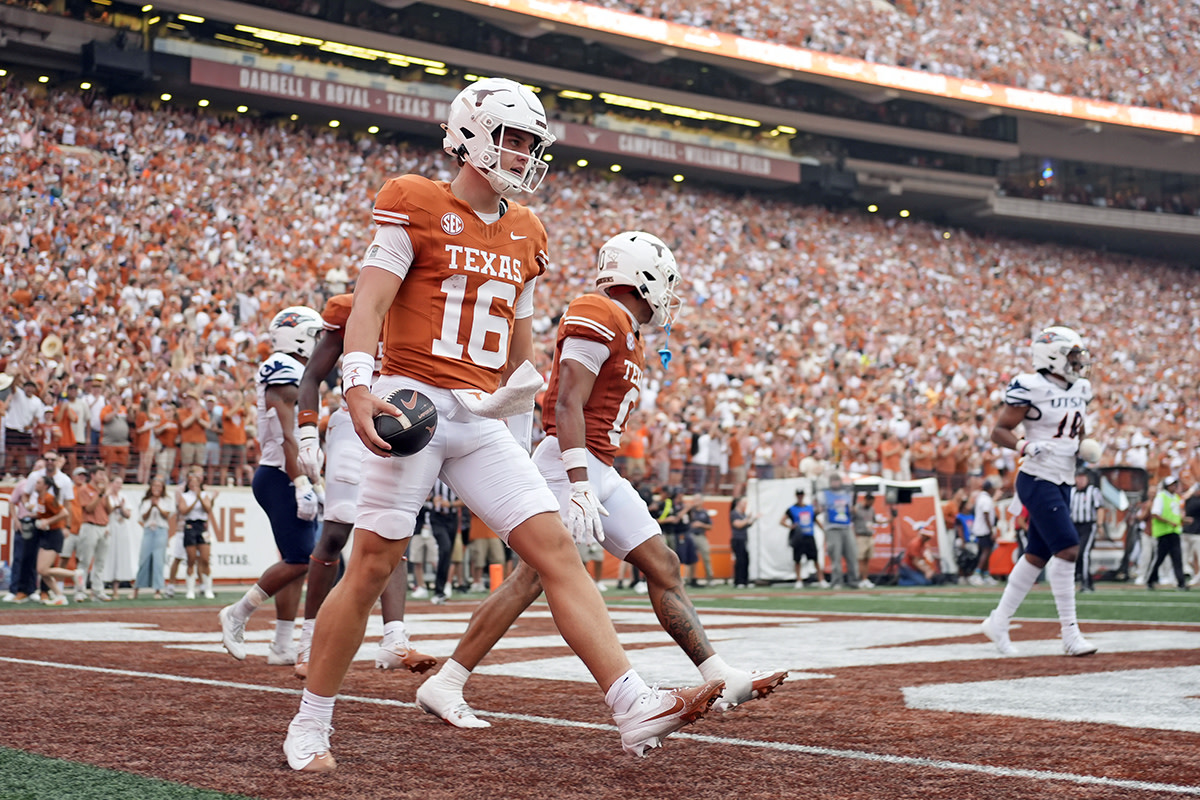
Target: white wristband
1020,446
575,458
357,370
301,482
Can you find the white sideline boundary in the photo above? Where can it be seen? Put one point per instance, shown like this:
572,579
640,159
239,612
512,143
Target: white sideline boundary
784,747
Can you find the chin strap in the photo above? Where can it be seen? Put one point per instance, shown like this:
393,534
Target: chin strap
664,352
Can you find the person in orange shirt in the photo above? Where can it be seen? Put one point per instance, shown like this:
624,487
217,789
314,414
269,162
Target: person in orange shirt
891,452
233,440
65,417
49,516
91,549
923,453
193,425
166,431
142,437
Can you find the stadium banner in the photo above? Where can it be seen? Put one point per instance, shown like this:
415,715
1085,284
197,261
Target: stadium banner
389,103
914,508
814,62
242,544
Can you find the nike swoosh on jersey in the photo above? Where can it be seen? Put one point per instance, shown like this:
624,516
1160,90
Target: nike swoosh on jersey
516,237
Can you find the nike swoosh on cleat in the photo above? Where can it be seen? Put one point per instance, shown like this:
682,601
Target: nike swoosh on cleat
679,705
515,237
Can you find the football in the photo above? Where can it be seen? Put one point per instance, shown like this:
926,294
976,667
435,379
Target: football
1090,450
409,432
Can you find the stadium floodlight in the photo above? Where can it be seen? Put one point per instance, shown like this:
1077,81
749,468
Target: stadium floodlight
583,162
373,129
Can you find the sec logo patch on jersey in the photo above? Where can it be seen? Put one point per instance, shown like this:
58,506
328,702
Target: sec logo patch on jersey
452,223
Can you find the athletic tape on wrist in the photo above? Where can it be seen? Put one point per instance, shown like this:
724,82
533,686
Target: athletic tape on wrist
357,369
575,458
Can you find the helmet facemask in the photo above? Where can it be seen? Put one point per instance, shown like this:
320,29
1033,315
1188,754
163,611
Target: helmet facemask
1060,350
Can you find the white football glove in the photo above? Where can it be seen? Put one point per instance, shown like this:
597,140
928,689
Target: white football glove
310,452
306,498
1032,450
585,512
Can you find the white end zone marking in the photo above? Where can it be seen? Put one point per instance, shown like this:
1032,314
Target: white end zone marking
1163,699
783,747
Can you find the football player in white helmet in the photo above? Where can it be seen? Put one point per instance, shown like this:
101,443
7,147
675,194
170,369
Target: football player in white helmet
481,119
595,381
1049,405
470,354
294,331
280,487
643,261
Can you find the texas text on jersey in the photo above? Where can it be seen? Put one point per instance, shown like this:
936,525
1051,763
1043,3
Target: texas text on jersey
475,271
597,318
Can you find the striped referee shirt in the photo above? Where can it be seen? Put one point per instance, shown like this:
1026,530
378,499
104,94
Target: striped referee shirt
1085,503
442,498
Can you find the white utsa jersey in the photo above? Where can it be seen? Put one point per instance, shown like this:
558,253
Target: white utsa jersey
280,369
1054,415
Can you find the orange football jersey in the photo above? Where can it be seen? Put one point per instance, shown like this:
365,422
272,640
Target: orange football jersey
453,315
615,393
337,311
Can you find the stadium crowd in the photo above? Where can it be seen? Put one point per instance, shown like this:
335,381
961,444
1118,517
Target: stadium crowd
145,250
1130,53
1133,53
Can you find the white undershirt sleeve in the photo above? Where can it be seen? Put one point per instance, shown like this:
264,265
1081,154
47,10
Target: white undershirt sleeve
524,307
392,250
590,354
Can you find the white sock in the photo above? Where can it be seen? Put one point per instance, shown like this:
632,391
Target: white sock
1061,574
714,668
393,631
208,582
315,706
625,691
249,603
1020,581
284,628
454,674
306,629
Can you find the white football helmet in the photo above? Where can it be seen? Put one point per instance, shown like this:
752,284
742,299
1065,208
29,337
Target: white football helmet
643,261
1061,351
295,330
475,132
